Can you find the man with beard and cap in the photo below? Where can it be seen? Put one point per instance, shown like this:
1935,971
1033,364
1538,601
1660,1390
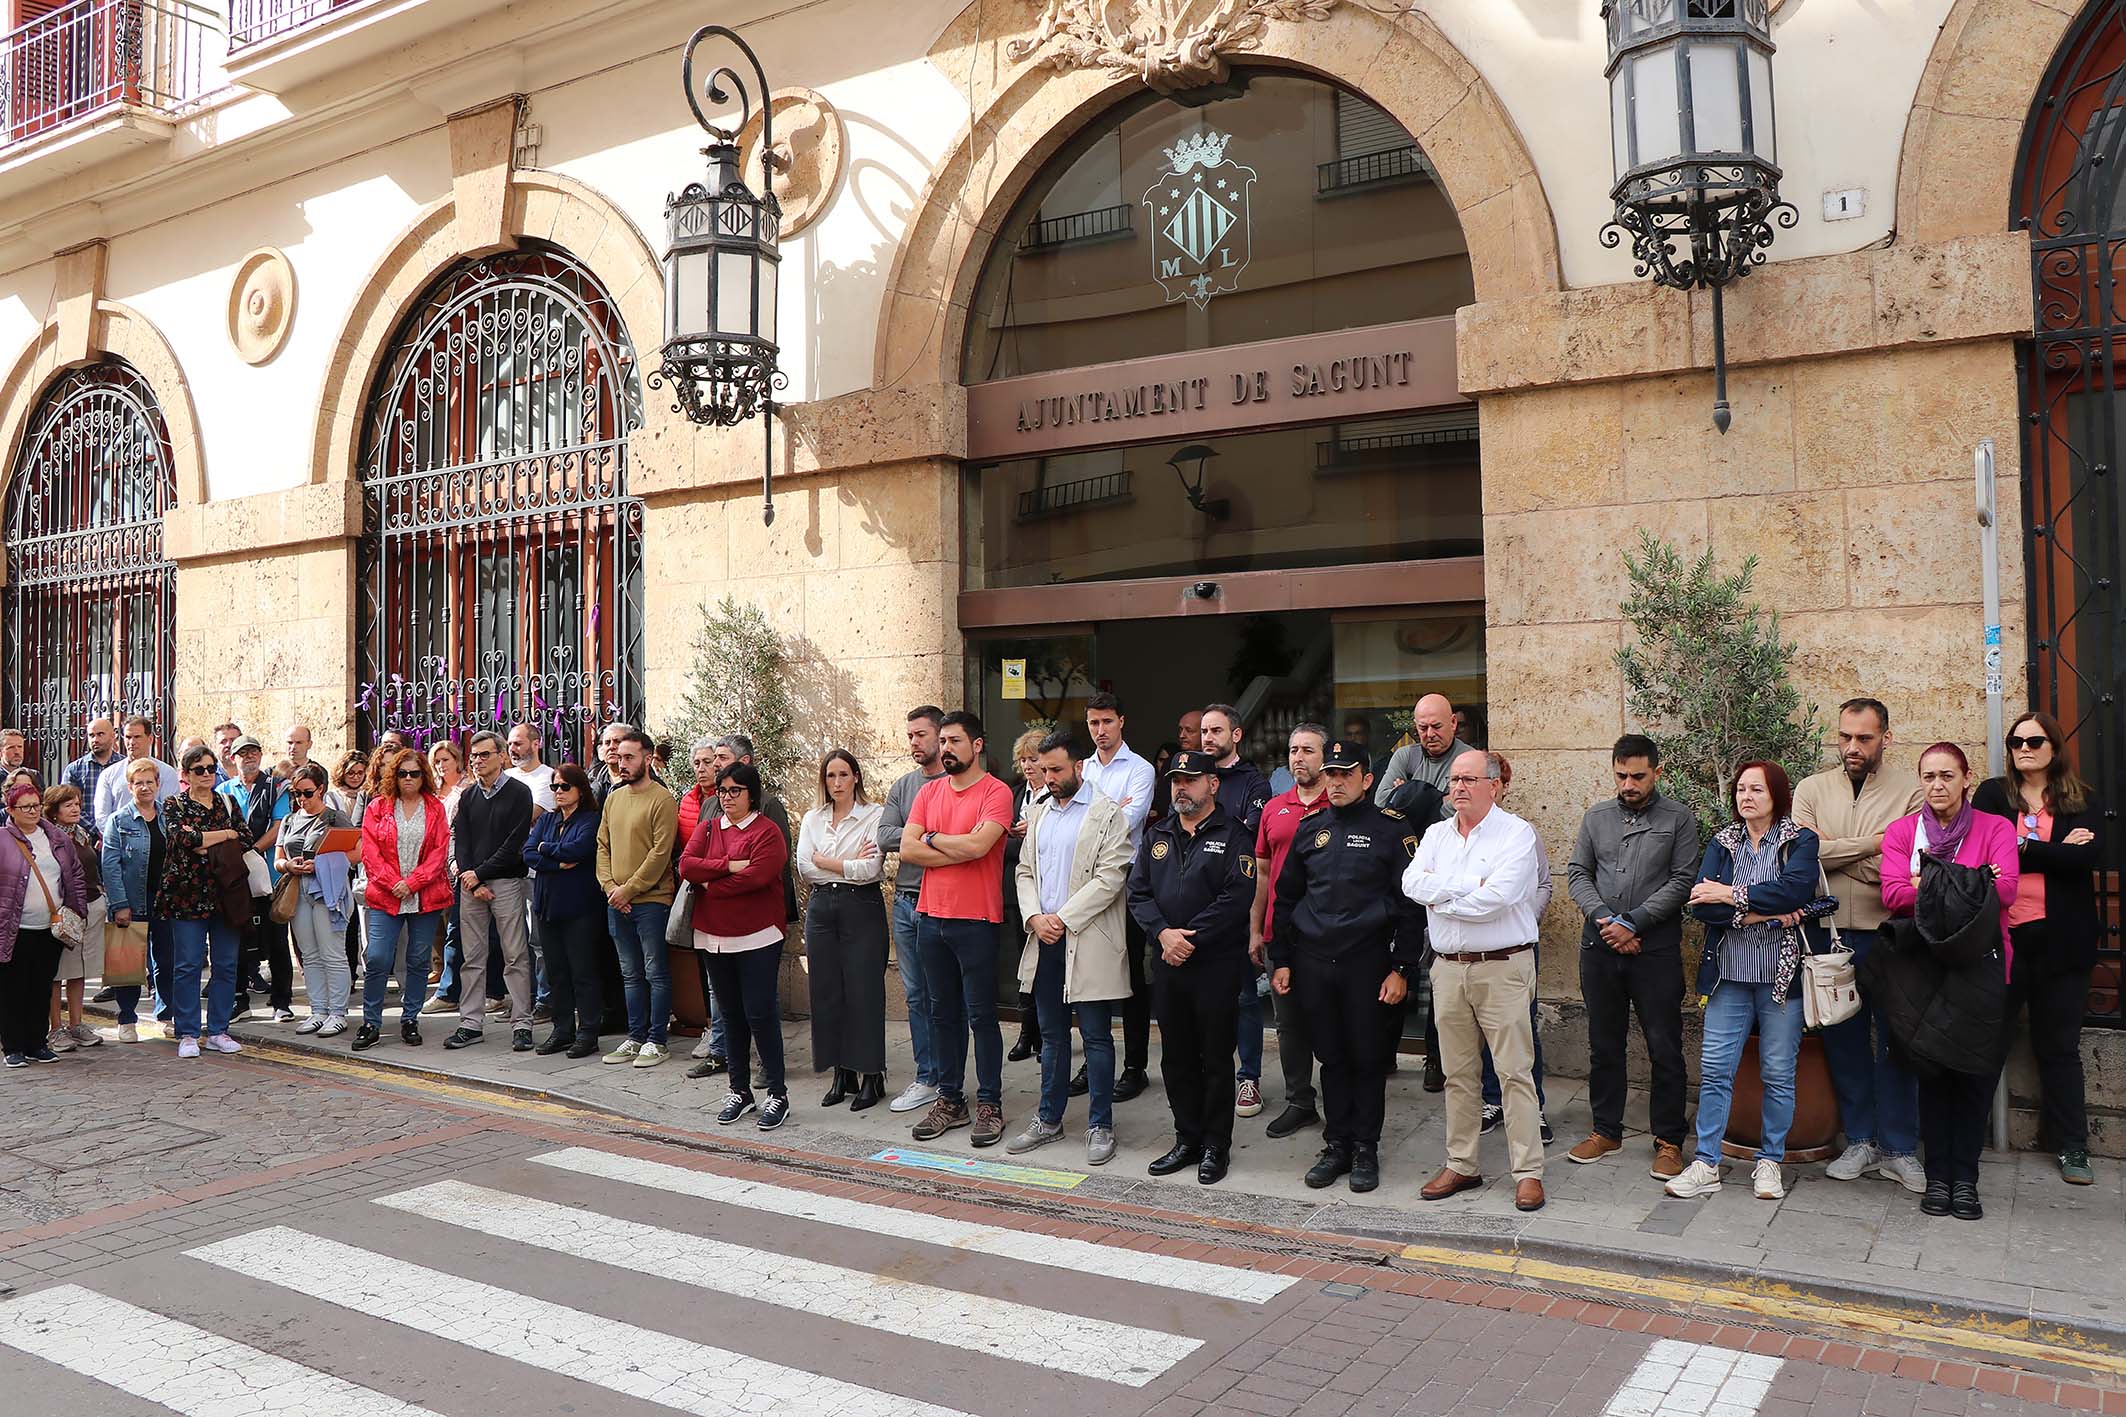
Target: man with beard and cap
1190,892
1347,939
1631,867
1848,807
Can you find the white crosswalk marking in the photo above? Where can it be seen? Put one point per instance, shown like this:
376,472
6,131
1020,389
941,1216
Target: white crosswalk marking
185,1369
1070,1343
1677,1379
1079,1256
621,1357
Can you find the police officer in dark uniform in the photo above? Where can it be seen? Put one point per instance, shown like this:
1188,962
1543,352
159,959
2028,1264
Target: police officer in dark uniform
1347,939
1190,891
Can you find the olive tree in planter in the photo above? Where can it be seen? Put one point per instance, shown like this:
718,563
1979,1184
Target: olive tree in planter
739,682
1710,678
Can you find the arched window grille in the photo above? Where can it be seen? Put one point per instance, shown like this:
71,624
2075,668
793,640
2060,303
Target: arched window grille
500,571
90,595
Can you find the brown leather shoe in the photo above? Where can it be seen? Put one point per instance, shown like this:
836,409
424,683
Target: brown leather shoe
1449,1182
1528,1195
1668,1161
1594,1148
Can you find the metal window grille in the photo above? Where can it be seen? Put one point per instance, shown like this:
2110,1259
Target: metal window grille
253,20
500,560
71,61
2068,196
1036,502
1078,228
90,594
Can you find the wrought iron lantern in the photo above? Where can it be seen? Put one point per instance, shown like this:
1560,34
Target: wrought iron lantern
1692,132
720,268
1216,508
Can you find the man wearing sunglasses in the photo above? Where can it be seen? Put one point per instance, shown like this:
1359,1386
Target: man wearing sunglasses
1848,807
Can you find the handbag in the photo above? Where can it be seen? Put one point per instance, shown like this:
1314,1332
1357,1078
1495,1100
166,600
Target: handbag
287,894
67,924
679,928
1830,987
125,955
261,879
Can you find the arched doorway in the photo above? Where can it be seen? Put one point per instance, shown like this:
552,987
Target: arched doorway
90,594
2069,196
500,564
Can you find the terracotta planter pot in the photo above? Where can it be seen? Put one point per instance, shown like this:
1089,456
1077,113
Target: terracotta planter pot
689,1005
1814,1135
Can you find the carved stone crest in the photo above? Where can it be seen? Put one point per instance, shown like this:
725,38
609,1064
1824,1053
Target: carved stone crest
1167,44
261,305
809,139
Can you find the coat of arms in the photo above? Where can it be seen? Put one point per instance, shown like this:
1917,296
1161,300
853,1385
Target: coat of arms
1198,213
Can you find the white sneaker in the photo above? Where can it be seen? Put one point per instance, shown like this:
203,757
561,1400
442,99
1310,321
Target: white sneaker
124,1033
649,1055
1854,1161
223,1043
914,1098
1766,1178
701,1049
625,1053
1905,1171
188,1047
311,1024
333,1026
1698,1179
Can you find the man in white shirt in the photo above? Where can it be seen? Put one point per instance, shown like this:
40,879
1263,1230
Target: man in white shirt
525,743
1128,781
111,790
1476,874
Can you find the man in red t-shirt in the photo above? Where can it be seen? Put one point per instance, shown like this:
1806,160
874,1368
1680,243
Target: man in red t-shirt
1273,838
955,832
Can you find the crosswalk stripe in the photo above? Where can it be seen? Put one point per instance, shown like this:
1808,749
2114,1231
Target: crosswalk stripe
185,1369
1079,1256
1069,1343
620,1357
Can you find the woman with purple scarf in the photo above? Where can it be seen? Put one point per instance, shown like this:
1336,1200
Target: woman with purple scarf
39,877
1954,1107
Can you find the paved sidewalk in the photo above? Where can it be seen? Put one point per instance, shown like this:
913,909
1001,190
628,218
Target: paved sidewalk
2044,1257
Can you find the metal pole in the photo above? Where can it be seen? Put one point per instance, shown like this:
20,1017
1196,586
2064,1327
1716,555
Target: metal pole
1996,750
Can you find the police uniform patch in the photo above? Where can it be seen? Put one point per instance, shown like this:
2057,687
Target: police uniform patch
1247,866
1391,812
1321,838
1410,845
1159,850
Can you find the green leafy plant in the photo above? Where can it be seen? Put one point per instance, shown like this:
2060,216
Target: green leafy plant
739,682
1710,678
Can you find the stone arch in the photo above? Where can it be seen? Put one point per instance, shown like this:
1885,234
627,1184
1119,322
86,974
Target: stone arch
1987,66
123,332
1022,112
544,206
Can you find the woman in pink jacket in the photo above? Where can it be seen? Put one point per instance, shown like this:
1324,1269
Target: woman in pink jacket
406,853
1953,1106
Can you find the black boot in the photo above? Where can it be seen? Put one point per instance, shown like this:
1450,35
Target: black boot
1365,1166
1334,1161
1435,1076
1130,1084
870,1091
1963,1202
844,1084
1029,1044
1936,1199
1211,1170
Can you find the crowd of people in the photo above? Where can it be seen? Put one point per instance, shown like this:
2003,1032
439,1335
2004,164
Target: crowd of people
484,883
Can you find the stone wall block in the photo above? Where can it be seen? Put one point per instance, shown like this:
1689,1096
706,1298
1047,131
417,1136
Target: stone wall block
1959,289
1799,540
1913,415
1552,449
2002,44
1554,686
1924,662
1556,567
805,539
881,610
1920,546
897,513
1672,450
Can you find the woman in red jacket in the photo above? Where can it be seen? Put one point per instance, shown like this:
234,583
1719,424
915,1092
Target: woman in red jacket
406,852
736,856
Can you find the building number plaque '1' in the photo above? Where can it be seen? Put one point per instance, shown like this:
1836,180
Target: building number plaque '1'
1198,211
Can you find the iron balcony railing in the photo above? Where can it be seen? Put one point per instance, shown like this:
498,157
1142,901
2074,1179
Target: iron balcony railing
81,59
1064,496
253,20
1077,228
1376,169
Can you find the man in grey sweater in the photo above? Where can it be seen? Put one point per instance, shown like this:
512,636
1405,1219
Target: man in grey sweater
1630,871
923,724
1429,758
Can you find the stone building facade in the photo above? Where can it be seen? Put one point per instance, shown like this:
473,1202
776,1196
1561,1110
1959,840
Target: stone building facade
258,228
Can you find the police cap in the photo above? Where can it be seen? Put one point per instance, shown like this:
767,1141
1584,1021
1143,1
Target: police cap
1191,763
1344,755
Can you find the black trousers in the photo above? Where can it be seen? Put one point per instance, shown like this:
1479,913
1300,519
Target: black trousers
265,939
745,984
1353,1031
2057,999
1295,1051
1199,1026
575,986
845,945
1614,986
26,991
1954,1112
1137,1008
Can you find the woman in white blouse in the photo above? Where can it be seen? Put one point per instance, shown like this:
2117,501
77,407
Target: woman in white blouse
845,934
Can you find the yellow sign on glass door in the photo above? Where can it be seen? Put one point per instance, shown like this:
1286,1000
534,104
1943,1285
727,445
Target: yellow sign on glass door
1014,678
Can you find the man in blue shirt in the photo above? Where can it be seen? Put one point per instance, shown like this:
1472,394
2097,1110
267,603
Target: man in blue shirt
257,801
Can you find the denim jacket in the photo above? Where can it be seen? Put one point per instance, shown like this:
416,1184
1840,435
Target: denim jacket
1794,887
125,861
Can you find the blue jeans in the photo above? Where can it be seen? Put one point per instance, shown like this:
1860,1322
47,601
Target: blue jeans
453,954
191,941
160,973
1878,1101
908,953
1728,1016
1493,1097
645,975
401,942
960,964
1095,1021
1250,1030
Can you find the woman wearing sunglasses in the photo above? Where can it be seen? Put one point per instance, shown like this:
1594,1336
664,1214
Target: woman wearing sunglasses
195,821
568,912
324,902
2053,923
406,852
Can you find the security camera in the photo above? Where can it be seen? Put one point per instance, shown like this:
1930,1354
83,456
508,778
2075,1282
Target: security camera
1204,590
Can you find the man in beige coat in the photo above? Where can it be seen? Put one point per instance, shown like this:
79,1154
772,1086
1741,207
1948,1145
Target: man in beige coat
1072,878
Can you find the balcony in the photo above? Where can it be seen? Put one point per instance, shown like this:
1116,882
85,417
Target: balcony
86,82
278,45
